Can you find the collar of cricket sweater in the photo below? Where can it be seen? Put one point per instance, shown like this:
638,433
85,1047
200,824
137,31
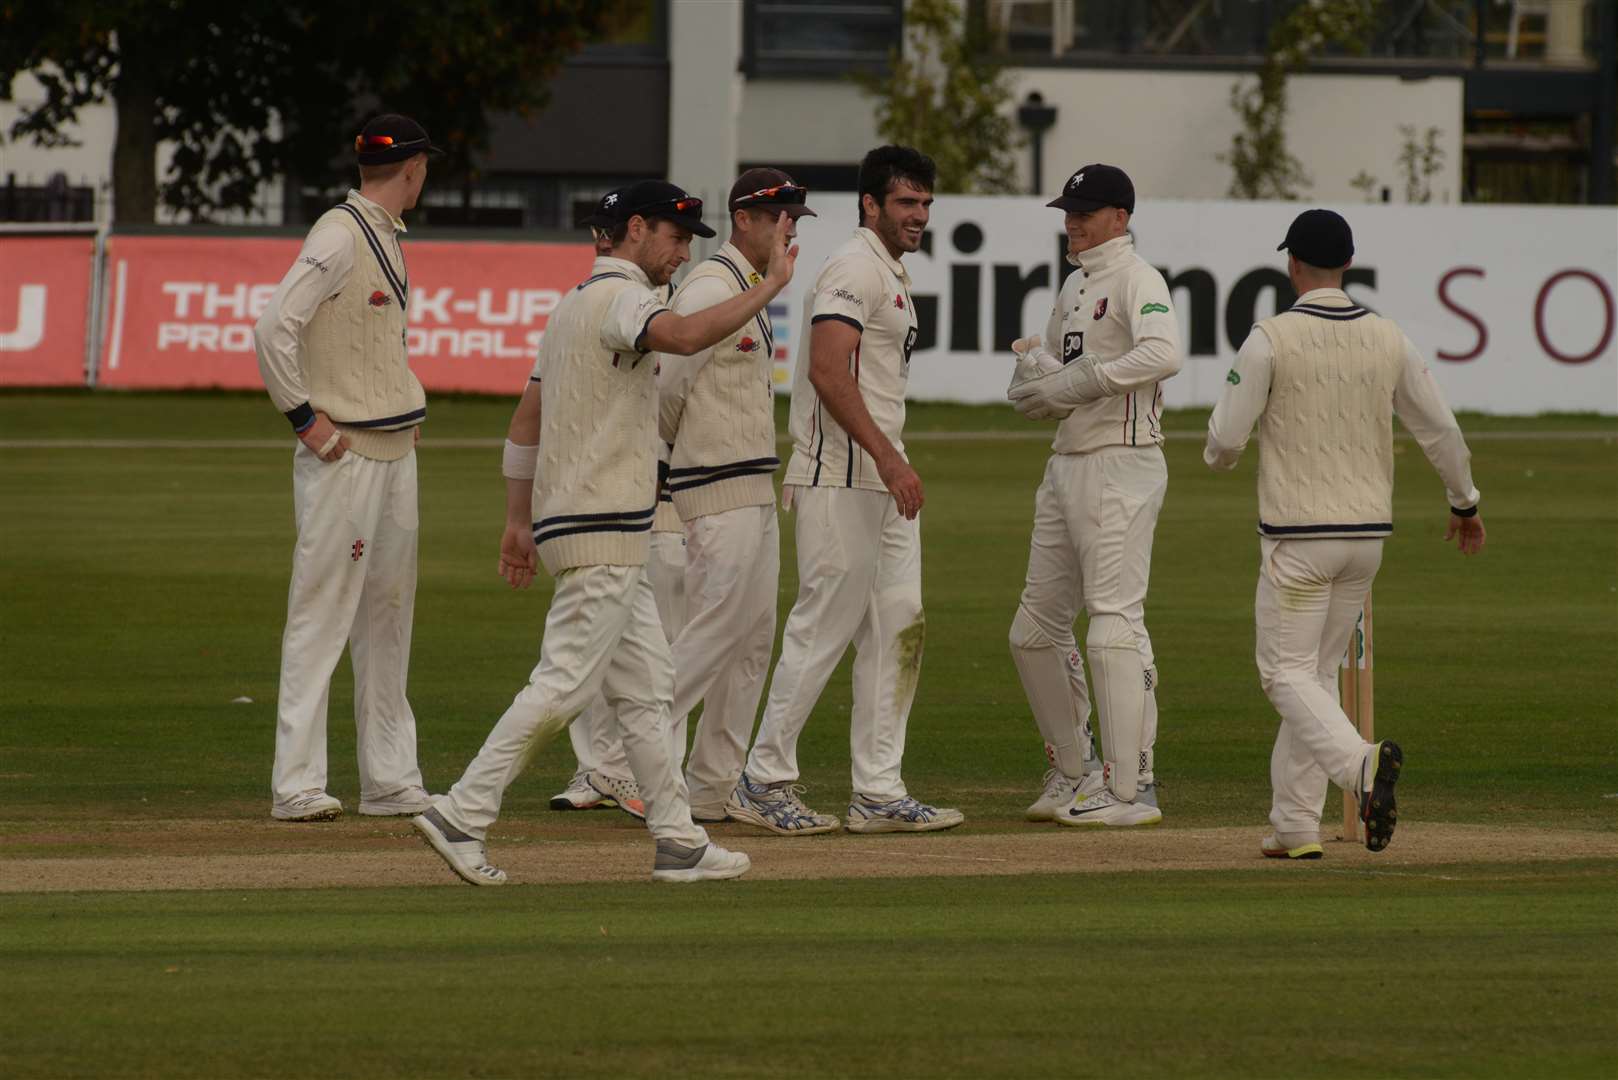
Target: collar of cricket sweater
374,213
1333,298
611,264
1104,256
881,250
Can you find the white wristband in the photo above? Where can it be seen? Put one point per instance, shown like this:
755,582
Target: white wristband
519,462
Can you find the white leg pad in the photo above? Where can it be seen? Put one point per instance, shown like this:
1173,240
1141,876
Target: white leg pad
1052,676
1120,699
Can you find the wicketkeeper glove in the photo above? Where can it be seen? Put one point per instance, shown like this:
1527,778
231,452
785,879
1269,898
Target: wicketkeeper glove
1058,393
1033,360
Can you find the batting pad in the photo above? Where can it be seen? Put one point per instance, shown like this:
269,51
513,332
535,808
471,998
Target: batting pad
1120,699
1053,679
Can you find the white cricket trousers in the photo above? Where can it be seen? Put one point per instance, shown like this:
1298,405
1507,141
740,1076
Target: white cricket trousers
1309,597
722,654
353,581
1095,516
602,636
859,581
594,734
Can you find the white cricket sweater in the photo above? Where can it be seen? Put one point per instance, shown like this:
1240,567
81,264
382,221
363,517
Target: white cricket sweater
595,489
717,407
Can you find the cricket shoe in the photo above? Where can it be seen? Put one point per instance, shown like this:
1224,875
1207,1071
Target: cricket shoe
1104,809
622,792
309,806
1377,809
1145,793
777,807
1273,847
899,815
579,795
1060,790
406,802
465,854
710,862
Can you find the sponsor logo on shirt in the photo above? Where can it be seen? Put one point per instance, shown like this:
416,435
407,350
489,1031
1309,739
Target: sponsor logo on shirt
380,299
1147,309
844,294
1101,307
899,302
1233,378
747,344
310,260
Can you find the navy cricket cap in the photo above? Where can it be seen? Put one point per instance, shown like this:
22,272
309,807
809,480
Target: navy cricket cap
602,216
1320,238
1094,187
391,137
656,198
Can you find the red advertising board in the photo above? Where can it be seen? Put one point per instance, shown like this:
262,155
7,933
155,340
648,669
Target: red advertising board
44,309
180,310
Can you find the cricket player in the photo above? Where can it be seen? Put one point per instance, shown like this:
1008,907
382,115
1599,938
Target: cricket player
857,502
1096,510
331,350
1323,380
594,481
717,417
602,778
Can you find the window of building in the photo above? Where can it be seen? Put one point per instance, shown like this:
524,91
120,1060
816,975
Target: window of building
826,38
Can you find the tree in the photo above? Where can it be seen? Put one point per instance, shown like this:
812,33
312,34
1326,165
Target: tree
948,98
1261,165
251,89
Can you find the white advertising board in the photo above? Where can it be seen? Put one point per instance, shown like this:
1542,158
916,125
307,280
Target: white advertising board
1514,306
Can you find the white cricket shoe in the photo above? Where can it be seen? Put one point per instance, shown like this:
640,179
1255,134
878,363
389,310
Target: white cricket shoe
309,806
1275,846
1106,809
1061,790
778,807
406,802
579,795
710,862
464,854
624,793
899,815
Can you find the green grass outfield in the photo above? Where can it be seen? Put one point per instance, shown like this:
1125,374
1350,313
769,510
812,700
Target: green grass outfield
142,589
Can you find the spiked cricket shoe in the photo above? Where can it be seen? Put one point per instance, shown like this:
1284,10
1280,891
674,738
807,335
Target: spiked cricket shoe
777,807
1377,808
579,795
1273,847
464,854
404,803
710,862
625,793
309,806
899,815
1106,810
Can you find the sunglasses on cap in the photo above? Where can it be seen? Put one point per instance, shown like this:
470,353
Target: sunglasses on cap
363,143
688,205
780,194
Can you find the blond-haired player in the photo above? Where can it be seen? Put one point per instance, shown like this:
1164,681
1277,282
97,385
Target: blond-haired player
1111,341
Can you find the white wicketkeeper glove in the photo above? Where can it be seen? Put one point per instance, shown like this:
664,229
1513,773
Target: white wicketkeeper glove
1054,395
1033,360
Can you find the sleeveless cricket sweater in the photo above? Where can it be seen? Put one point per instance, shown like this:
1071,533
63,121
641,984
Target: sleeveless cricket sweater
1326,437
354,351
595,489
724,452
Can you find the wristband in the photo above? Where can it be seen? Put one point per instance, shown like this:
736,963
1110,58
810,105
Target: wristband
302,418
519,462
1470,511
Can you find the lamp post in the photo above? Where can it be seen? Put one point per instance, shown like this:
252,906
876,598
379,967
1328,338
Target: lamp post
1037,118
